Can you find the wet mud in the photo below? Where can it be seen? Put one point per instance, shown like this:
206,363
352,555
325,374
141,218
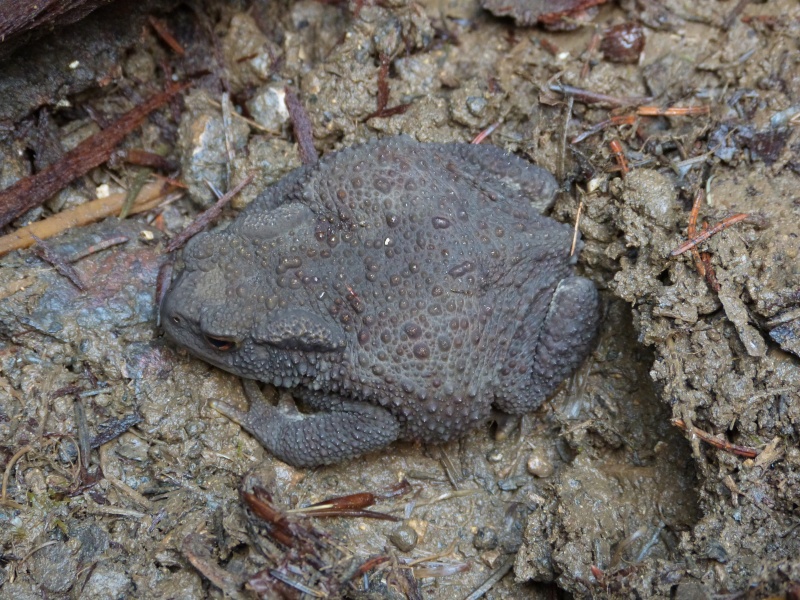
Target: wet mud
667,466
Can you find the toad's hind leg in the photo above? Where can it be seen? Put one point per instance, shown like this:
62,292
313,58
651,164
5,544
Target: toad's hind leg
565,338
320,438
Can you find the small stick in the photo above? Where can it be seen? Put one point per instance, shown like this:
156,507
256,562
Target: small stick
438,556
47,254
383,84
575,233
207,216
737,10
642,111
619,155
689,244
302,128
19,454
562,142
112,428
492,580
35,550
702,260
143,158
115,512
485,133
745,451
121,486
85,213
195,551
618,120
300,587
711,276
598,574
450,469
591,50
83,435
352,501
253,124
227,126
389,112
769,20
672,111
549,47
133,192
590,97
691,230
383,93
98,247
163,32
342,512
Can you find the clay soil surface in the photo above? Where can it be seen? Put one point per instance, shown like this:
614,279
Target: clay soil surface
667,466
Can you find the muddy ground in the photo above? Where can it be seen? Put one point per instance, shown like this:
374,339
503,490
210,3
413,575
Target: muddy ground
598,493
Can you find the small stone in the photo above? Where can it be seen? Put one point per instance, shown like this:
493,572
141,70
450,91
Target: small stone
268,107
107,583
54,567
201,138
494,456
194,427
512,483
476,105
249,55
485,539
404,537
716,551
539,465
623,43
418,525
690,590
387,38
94,541
132,448
492,558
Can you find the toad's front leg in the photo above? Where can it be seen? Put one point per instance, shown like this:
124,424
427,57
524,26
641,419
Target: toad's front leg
319,438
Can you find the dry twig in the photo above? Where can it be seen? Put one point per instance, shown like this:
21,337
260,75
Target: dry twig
745,451
302,128
32,191
207,216
88,212
702,237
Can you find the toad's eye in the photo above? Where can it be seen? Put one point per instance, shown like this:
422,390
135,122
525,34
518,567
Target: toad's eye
220,344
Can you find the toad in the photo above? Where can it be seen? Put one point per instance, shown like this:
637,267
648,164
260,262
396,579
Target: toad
399,290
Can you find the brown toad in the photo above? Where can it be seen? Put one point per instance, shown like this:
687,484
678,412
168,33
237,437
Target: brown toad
400,290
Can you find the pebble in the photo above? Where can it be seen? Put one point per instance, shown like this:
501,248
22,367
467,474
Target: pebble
404,537
485,539
54,568
540,465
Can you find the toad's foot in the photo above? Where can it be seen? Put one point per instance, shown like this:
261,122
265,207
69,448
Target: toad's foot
308,440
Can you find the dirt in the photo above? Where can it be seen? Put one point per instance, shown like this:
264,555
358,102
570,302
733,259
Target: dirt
597,494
